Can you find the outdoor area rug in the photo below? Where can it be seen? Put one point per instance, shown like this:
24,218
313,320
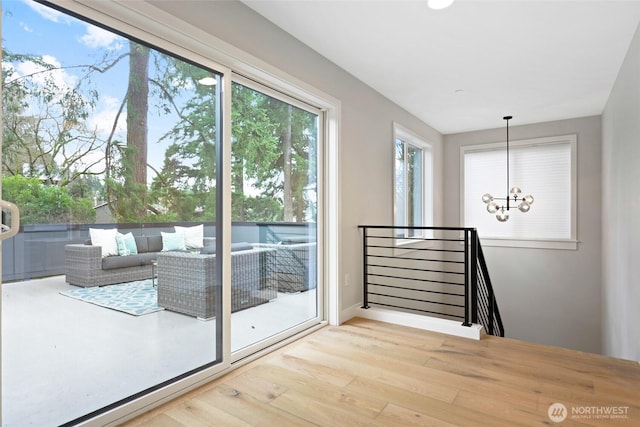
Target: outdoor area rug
136,298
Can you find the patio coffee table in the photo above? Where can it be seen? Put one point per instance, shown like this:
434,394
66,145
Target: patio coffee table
187,281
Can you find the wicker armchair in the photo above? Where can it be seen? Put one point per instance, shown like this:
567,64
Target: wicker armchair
186,281
296,265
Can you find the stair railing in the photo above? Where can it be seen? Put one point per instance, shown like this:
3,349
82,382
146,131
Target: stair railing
488,312
435,271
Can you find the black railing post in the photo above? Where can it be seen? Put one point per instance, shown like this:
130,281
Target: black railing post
365,284
466,279
474,276
491,313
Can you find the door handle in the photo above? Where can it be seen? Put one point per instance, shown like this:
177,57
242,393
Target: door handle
10,230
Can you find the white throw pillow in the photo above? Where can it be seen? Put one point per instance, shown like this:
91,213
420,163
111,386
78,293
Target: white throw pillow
106,239
193,236
172,242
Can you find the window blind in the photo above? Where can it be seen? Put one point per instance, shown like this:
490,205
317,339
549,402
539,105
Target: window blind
542,170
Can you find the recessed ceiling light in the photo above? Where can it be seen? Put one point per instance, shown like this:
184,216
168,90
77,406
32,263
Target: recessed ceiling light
439,4
207,81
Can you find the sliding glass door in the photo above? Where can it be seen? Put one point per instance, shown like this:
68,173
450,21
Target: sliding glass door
159,197
274,187
110,151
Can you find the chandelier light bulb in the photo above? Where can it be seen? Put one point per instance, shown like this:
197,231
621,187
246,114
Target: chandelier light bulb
524,207
516,190
493,207
486,197
528,198
502,216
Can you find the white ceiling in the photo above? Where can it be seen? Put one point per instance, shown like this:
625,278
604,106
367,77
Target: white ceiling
465,67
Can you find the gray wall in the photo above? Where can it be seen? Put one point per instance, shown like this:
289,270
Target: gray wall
621,211
366,129
545,296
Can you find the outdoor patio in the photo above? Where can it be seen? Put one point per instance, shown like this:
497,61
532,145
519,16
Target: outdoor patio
63,358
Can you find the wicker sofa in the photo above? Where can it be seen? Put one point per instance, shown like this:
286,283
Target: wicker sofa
84,265
186,281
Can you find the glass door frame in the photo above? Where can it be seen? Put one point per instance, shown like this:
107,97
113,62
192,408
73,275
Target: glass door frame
320,316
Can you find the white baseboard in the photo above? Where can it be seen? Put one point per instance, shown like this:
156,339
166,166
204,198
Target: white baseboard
434,324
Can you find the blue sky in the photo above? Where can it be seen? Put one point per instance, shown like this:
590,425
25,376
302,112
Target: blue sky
31,28
37,29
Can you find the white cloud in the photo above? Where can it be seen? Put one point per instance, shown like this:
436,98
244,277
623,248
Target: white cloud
102,119
49,13
26,28
40,76
98,38
95,37
94,160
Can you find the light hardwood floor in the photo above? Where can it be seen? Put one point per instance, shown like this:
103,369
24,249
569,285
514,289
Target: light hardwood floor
378,374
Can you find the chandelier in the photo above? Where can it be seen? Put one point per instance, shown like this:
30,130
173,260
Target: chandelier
513,197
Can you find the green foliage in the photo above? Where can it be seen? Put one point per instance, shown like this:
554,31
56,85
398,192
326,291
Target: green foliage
52,139
185,185
45,204
259,126
87,187
126,201
273,143
256,208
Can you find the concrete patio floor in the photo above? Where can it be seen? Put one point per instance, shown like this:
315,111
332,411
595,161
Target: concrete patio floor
63,358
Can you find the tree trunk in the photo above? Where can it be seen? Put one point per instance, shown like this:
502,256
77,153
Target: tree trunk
237,179
137,110
137,130
288,196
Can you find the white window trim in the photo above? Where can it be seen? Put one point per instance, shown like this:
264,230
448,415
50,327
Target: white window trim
564,244
402,132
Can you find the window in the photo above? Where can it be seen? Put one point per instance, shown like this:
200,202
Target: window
544,168
413,188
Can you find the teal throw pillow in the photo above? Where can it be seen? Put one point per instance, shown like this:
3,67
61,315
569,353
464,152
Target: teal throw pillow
126,244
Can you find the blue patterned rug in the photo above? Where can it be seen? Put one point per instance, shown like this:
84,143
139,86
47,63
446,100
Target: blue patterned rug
136,298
